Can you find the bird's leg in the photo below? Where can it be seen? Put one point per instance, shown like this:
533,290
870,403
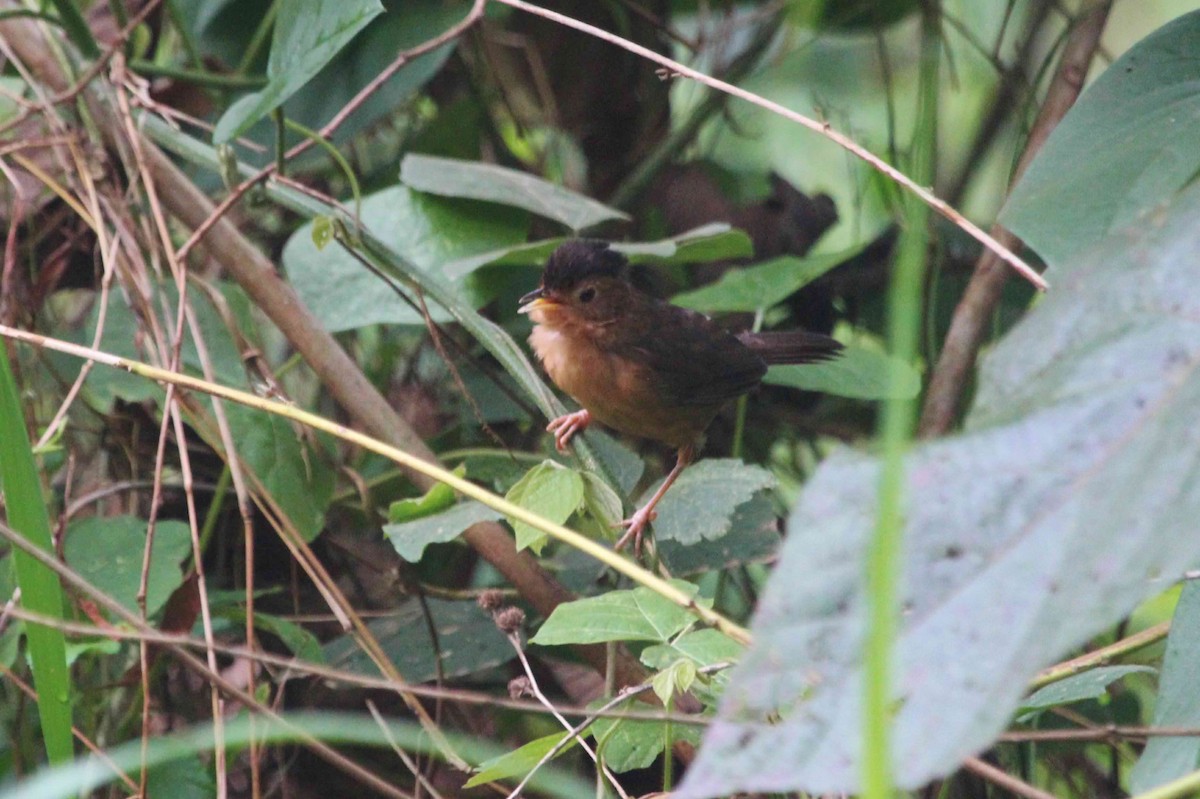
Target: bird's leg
565,427
636,524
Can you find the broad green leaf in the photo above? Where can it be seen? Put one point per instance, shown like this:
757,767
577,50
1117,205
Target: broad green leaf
520,761
467,642
223,31
122,334
1070,497
753,537
474,180
1178,702
631,615
404,25
1126,147
411,538
857,372
298,478
307,35
550,490
761,286
701,504
629,744
429,231
107,552
713,242
1090,684
704,647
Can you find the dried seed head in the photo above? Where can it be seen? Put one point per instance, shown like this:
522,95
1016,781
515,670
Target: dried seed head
519,687
510,619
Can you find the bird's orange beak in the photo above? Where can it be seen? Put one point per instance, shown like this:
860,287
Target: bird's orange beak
536,299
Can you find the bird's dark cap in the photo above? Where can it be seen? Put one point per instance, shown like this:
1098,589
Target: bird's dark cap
579,259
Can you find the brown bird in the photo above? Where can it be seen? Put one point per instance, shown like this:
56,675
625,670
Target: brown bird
642,366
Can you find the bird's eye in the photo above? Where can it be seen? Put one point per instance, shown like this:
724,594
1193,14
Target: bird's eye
587,295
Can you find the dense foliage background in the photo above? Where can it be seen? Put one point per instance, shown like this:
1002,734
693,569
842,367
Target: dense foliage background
948,562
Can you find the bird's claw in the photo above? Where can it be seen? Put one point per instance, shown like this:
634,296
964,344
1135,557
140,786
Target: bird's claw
635,528
565,427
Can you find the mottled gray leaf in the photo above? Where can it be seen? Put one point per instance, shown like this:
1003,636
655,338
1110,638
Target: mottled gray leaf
1071,496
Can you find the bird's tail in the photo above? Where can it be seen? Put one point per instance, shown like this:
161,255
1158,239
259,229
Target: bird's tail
791,346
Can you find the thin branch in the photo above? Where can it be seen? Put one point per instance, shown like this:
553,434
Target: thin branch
1004,780
1101,656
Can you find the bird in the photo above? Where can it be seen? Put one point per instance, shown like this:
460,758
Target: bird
640,365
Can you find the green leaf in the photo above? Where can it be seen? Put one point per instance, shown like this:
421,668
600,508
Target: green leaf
427,230
634,615
604,507
677,678
10,634
467,642
40,590
753,537
308,34
1126,147
1178,701
107,552
299,641
758,287
435,500
702,647
715,242
701,504
322,232
1090,684
298,478
411,538
629,744
857,372
122,334
185,778
520,761
452,177
1069,498
550,490
712,242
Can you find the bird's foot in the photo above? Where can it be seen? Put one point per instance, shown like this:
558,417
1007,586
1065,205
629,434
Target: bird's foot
635,526
565,427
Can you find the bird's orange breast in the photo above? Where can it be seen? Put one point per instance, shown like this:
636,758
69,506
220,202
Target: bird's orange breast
618,392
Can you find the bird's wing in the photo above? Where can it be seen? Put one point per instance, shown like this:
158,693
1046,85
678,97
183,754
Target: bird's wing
694,361
791,346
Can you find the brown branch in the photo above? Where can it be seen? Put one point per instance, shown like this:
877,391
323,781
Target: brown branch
336,370
974,311
1004,780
